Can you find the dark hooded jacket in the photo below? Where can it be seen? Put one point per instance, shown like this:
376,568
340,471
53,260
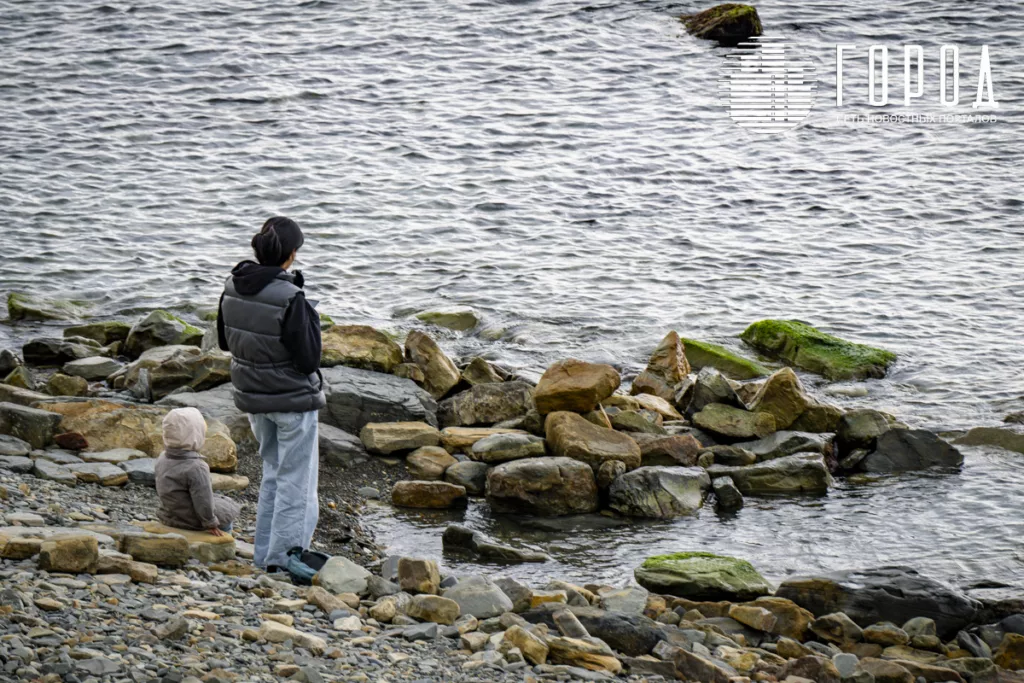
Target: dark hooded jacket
273,335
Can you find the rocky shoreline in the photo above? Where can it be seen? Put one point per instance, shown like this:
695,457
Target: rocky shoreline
93,589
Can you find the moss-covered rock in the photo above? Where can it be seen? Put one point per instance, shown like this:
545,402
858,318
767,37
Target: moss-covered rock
60,384
728,24
160,328
105,332
459,318
326,321
705,354
805,347
702,576
21,306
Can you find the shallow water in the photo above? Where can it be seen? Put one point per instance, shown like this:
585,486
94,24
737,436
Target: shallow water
565,168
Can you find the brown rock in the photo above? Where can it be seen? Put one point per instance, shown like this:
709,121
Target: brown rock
433,608
609,471
542,486
533,648
815,668
383,438
885,671
1010,654
583,653
461,439
359,346
669,451
479,371
791,620
70,554
325,601
665,370
439,495
417,575
571,436
71,441
783,397
575,385
428,463
439,372
168,550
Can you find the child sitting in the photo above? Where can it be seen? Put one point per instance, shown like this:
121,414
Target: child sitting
183,482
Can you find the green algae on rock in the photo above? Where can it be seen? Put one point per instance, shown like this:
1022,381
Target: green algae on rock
160,328
701,576
728,24
704,354
460,319
810,349
21,306
105,332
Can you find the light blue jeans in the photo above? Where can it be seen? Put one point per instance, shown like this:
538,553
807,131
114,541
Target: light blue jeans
288,508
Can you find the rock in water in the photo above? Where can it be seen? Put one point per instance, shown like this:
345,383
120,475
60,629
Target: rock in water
105,332
727,495
902,450
542,486
22,306
665,370
575,386
479,371
439,373
783,397
357,397
571,436
459,538
707,355
702,576
458,318
734,423
469,474
359,346
160,328
785,443
999,437
659,492
669,451
728,24
428,494
799,473
487,404
44,352
803,346
893,594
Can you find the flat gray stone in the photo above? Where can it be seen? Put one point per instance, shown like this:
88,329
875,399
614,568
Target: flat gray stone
57,456
92,368
12,445
99,473
141,471
781,444
45,469
338,448
16,463
115,456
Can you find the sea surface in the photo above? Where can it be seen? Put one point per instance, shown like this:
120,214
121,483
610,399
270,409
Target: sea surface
568,169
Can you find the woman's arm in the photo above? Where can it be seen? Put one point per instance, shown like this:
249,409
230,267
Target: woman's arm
300,334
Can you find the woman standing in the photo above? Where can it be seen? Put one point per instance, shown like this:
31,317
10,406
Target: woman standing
273,335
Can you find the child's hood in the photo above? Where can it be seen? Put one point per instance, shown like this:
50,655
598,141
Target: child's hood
184,429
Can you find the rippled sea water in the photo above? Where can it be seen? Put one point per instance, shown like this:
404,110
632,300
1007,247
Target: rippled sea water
567,169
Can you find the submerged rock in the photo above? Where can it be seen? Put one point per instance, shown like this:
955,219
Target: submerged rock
665,371
574,385
902,450
460,538
359,346
548,486
999,437
21,306
785,443
727,496
458,318
894,594
810,349
659,492
160,328
728,24
799,473
707,355
702,576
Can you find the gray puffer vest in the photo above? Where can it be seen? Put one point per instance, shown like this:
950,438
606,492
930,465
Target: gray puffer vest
262,372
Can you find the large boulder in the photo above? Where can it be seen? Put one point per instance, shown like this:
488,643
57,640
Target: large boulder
734,423
798,473
894,594
572,436
163,369
702,576
805,347
479,596
93,368
785,443
439,373
216,404
104,331
575,385
34,426
728,24
160,328
52,352
903,450
659,492
359,346
548,486
707,355
21,306
107,425
666,368
356,397
487,404
462,439
783,397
